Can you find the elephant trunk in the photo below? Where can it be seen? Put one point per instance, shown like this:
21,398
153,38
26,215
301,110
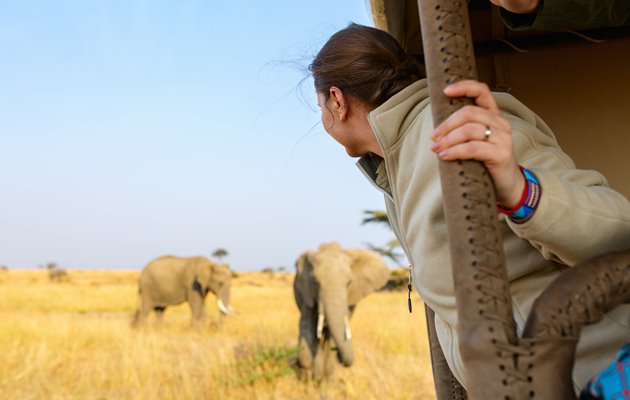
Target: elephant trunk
335,308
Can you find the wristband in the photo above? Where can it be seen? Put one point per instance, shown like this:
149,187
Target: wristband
529,200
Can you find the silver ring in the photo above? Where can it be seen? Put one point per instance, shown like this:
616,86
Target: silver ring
487,133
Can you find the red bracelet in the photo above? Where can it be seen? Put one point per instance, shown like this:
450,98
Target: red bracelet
524,196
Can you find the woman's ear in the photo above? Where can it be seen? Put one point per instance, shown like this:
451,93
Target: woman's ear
339,102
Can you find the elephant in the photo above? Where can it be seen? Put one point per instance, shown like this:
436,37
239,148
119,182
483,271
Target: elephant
170,280
329,282
57,274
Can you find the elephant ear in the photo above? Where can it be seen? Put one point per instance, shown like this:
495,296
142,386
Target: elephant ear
369,273
202,273
304,281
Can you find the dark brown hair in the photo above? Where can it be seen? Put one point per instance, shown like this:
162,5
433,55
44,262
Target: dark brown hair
366,63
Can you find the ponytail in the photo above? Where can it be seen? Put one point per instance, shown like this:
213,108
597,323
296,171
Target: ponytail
366,63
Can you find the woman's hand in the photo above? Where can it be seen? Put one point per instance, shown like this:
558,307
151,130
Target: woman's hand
479,132
518,6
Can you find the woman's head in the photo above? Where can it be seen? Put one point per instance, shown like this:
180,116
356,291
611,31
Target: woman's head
365,63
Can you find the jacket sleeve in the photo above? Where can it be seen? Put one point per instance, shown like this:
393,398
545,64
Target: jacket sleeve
571,14
578,216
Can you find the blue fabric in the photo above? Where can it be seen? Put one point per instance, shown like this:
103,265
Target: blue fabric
613,383
531,202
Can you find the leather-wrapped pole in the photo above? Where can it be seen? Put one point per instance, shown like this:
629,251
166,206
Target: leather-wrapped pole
577,298
498,364
484,305
447,387
580,297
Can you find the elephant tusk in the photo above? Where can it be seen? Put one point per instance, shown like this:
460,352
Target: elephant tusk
320,325
222,307
346,322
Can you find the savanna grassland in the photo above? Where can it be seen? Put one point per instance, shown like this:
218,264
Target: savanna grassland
73,340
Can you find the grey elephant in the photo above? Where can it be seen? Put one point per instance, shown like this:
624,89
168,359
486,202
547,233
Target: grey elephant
171,280
329,282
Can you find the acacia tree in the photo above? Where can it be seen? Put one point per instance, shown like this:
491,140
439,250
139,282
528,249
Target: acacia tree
389,250
220,253
375,216
49,265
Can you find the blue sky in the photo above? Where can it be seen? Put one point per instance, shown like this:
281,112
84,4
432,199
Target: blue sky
133,129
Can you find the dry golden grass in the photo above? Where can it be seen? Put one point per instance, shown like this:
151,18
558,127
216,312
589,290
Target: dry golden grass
72,340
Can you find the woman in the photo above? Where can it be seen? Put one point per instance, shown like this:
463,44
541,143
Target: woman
375,103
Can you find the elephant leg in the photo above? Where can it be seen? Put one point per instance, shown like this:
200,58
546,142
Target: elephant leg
307,340
330,360
146,305
196,302
325,358
305,359
305,356
447,387
319,362
159,313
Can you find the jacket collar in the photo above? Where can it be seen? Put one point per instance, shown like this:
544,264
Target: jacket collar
389,123
391,120
373,167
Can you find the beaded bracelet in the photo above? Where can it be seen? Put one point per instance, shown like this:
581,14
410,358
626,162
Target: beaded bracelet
529,200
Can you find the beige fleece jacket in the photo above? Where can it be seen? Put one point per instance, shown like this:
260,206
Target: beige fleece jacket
578,217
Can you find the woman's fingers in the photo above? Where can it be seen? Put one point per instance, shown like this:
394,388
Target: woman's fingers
490,142
461,134
492,154
474,90
484,112
480,132
469,115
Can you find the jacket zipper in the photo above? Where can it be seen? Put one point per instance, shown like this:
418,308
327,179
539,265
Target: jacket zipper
403,243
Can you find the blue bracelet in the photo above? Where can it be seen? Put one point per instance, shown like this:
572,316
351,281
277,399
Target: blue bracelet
533,196
529,201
